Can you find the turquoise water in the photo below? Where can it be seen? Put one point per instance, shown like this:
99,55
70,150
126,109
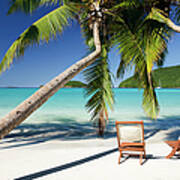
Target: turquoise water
68,105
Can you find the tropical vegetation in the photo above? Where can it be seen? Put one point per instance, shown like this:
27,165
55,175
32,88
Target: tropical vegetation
75,84
167,77
139,29
99,91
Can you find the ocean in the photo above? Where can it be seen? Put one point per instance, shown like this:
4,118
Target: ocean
67,107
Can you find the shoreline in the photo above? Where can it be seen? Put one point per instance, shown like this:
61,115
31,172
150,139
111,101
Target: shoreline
85,88
58,142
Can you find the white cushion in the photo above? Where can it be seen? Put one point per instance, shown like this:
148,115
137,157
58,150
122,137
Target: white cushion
130,133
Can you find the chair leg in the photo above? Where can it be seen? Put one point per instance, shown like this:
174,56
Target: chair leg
144,154
171,153
141,157
120,155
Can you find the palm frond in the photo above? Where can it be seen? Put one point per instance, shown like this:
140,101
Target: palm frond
99,87
125,5
28,6
150,102
155,42
176,14
161,61
142,45
158,15
123,67
42,30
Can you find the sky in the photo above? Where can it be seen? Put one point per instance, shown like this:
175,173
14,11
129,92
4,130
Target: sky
42,63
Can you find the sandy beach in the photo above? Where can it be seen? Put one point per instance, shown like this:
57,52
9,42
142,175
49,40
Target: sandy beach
92,158
70,67
59,142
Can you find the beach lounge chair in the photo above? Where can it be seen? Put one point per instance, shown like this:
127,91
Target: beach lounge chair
130,136
175,147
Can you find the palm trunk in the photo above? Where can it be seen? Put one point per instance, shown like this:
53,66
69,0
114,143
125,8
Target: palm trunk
149,75
21,112
101,123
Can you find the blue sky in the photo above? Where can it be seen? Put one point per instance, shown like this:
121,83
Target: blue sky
40,64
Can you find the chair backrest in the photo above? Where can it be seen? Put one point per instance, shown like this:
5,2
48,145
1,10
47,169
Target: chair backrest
130,131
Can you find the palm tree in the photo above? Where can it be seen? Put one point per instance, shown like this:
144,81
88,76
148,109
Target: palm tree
111,17
150,39
42,30
99,89
98,78
142,43
140,46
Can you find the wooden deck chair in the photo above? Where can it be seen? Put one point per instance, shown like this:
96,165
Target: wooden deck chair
175,147
130,136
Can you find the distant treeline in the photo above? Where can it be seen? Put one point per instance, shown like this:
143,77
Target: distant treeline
168,77
73,84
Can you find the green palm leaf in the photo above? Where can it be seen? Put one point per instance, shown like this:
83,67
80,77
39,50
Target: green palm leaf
99,88
125,5
150,103
28,6
158,15
141,44
42,30
123,66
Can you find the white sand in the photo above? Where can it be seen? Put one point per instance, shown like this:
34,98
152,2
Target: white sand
75,160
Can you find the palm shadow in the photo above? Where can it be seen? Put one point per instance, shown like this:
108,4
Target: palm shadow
164,123
69,129
58,129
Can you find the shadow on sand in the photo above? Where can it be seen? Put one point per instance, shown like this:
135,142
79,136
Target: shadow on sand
69,129
83,161
165,123
66,166
59,129
148,157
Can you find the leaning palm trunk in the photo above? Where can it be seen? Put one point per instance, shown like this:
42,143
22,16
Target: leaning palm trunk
21,112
